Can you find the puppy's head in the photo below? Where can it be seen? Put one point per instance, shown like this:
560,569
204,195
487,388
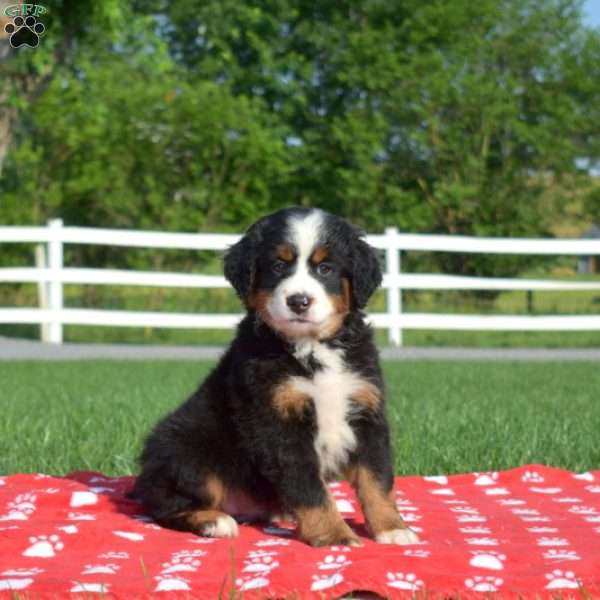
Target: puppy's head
302,270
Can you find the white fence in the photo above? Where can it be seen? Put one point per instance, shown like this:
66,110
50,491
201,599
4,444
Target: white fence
51,275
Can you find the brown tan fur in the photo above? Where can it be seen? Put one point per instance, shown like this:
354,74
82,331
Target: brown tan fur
198,520
319,255
368,395
285,252
323,526
289,401
341,303
378,507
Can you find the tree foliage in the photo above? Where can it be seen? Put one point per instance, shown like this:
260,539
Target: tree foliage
434,116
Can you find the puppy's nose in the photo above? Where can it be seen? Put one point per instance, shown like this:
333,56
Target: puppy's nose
299,303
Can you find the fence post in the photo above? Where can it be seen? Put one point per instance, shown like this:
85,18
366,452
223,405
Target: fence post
55,287
394,293
42,263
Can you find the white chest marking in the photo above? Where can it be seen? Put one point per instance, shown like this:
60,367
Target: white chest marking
330,390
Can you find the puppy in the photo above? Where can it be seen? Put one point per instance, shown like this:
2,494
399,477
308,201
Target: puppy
297,399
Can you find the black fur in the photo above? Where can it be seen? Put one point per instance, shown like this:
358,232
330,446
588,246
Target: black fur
229,426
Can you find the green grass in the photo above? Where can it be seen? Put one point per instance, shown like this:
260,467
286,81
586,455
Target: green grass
446,417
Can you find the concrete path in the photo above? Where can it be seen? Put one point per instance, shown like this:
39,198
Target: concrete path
19,349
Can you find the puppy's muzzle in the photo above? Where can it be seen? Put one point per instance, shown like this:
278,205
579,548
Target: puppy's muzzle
299,303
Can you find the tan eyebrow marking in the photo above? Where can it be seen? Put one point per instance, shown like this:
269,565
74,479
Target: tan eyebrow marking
285,252
319,255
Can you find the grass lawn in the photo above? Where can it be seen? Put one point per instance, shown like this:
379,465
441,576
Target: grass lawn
446,417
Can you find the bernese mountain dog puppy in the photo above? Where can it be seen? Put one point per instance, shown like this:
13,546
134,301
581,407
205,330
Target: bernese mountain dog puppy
297,399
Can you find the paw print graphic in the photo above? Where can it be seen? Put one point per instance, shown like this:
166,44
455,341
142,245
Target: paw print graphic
465,510
488,559
593,489
260,561
22,572
341,548
404,581
486,478
471,519
476,530
552,541
583,510
189,554
44,546
76,516
115,555
180,563
107,569
250,583
560,555
21,508
333,561
532,477
324,582
24,32
168,583
561,579
417,553
481,583
273,542
510,502
482,541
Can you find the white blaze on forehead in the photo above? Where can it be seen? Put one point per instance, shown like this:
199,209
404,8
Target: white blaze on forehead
305,233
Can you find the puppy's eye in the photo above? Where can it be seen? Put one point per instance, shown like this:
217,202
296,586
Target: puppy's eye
279,266
324,269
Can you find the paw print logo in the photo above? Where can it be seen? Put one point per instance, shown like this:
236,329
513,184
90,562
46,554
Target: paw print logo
44,546
115,555
471,519
560,555
481,583
260,562
22,572
404,581
107,569
532,477
476,530
24,32
593,489
273,542
583,510
417,553
488,560
333,561
561,579
180,563
324,582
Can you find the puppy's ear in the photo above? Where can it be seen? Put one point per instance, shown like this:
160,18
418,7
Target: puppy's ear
366,271
240,262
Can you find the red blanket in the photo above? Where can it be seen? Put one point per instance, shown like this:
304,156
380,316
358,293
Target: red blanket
531,532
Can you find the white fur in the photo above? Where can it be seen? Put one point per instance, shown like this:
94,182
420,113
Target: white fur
223,527
330,390
400,537
304,235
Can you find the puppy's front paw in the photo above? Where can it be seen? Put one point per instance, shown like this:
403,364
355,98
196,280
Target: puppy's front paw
222,527
400,537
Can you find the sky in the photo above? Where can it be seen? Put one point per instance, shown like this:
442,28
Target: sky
591,12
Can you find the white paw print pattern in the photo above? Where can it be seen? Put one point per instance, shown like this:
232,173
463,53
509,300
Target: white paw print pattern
497,491
482,541
251,583
260,562
488,559
178,564
593,489
324,582
21,508
114,555
484,583
334,561
532,477
542,529
404,581
561,555
471,519
475,530
44,546
97,588
77,516
18,579
106,569
467,510
486,478
511,502
273,542
583,510
170,583
567,500
417,553
558,580
552,541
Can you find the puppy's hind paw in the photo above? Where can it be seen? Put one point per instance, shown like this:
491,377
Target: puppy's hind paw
222,527
401,537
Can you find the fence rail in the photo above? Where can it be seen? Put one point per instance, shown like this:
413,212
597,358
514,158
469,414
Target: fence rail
51,275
